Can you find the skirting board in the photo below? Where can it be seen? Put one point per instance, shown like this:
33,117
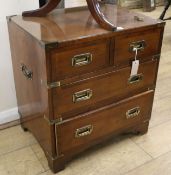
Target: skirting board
9,116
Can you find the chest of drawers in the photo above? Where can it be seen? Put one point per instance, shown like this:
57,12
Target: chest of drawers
73,79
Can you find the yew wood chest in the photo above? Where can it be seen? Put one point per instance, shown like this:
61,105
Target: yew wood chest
73,79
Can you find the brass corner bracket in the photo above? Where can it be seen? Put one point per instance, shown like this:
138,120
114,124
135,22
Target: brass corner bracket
53,85
53,122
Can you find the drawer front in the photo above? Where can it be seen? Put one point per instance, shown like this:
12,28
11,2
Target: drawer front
147,43
86,128
85,95
73,62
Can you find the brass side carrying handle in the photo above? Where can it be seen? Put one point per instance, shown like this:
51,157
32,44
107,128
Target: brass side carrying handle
81,60
84,131
139,45
133,112
26,72
135,78
82,95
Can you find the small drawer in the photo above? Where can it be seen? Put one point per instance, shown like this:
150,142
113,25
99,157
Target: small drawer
147,44
88,127
81,60
88,94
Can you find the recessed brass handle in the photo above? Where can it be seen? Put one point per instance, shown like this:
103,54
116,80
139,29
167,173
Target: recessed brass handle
82,60
135,78
26,72
139,45
82,95
133,113
84,131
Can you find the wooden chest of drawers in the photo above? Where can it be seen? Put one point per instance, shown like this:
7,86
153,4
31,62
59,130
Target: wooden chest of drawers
73,79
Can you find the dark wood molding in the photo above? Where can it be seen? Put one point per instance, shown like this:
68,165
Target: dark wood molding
165,10
93,6
42,11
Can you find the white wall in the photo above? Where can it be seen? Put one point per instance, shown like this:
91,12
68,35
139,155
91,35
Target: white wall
8,105
75,3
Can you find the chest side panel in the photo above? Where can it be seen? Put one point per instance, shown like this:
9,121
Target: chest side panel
29,67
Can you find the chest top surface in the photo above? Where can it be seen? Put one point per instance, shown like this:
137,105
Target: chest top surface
74,24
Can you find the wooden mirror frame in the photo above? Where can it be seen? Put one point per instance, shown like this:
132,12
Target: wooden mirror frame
93,6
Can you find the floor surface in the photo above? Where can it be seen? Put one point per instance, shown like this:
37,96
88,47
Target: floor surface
149,154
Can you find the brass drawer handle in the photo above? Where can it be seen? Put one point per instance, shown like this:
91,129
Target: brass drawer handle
26,72
135,78
82,95
133,113
139,45
82,60
84,131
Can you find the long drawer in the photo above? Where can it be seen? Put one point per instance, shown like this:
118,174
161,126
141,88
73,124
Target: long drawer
90,126
116,85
